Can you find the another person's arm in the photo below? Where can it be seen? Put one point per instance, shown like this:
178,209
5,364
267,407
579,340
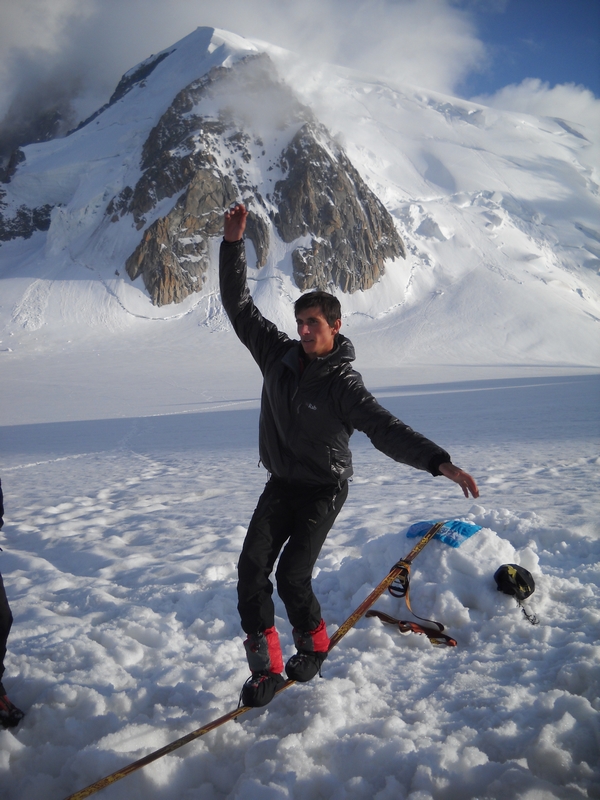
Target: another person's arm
463,479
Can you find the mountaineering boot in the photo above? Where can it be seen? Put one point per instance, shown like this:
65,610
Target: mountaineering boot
263,652
304,666
10,715
312,647
260,688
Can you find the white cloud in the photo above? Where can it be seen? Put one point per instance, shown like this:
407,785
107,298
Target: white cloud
565,101
71,53
53,49
36,23
429,43
568,102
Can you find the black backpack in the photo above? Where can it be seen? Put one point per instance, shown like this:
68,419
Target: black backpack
517,581
513,579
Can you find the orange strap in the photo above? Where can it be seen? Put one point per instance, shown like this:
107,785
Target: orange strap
434,635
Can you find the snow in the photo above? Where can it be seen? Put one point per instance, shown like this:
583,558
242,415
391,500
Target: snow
129,465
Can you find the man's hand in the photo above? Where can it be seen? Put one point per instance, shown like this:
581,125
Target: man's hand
235,223
458,475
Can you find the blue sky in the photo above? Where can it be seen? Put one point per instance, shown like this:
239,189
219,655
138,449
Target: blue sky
557,41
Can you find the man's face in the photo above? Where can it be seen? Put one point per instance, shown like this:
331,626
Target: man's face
316,334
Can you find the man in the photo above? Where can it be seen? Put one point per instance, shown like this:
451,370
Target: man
312,400
10,715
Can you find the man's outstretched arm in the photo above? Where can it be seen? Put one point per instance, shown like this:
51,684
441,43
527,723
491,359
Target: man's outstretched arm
458,475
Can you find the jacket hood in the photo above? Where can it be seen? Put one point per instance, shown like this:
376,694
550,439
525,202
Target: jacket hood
345,347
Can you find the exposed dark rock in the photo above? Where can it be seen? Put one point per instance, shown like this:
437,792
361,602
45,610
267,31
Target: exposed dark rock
129,80
17,157
169,167
25,125
173,254
25,222
184,154
257,230
207,162
324,197
118,205
219,142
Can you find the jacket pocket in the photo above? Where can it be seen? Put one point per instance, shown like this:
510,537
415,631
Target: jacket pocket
340,463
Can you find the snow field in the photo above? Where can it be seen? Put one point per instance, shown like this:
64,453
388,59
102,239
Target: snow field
119,561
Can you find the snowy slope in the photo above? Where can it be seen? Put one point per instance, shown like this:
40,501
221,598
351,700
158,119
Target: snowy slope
128,458
120,547
500,213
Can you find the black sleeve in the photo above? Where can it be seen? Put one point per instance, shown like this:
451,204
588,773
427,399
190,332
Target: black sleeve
387,433
1,506
260,335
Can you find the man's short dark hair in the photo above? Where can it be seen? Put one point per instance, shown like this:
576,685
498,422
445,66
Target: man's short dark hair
328,303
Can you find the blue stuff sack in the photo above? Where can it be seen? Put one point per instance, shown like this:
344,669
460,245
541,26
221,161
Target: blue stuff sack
454,532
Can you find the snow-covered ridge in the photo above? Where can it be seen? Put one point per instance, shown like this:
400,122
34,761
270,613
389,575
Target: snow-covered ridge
499,212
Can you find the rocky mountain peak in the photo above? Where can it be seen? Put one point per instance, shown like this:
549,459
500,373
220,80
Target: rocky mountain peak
323,196
236,134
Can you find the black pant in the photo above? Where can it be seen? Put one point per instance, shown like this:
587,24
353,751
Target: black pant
6,619
303,516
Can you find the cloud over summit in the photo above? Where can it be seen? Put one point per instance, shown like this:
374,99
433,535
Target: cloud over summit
69,54
63,58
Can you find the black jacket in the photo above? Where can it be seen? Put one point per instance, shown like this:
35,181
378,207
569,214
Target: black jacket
307,416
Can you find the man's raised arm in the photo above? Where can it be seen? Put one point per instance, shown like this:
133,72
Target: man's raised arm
235,223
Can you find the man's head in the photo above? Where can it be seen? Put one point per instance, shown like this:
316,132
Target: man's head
328,303
318,318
